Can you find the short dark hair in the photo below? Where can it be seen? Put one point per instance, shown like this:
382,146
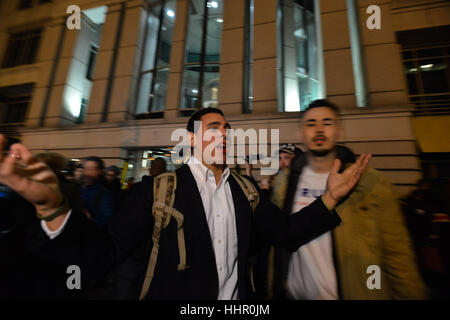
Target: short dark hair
100,163
197,115
114,169
320,103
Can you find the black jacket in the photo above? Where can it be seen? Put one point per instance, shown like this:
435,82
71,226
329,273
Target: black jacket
97,251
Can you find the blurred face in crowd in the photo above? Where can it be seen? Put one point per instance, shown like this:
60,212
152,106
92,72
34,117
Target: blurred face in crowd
78,173
91,172
110,176
158,166
285,160
320,130
217,123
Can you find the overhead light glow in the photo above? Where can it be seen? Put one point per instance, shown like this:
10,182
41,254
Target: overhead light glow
426,66
170,13
219,20
212,4
194,91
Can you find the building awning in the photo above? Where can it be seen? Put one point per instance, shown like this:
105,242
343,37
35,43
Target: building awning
432,133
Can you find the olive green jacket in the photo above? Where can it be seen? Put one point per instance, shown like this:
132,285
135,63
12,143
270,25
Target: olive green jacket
373,232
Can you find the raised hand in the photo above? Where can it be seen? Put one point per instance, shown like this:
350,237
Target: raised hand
32,179
340,184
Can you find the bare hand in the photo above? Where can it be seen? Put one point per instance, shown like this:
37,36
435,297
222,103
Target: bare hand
340,184
32,179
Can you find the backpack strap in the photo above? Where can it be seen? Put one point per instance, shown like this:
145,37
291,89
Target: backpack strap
252,194
164,187
248,188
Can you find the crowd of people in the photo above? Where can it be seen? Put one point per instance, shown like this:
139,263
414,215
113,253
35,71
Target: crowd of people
311,232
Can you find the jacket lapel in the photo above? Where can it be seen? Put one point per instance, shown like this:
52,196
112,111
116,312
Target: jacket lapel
242,213
189,202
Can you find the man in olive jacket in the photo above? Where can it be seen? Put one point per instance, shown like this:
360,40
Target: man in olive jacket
369,255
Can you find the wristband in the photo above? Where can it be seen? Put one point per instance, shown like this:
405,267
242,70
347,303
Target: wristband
62,208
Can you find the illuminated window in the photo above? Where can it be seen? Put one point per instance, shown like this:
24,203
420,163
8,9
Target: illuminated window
156,59
300,71
426,60
201,64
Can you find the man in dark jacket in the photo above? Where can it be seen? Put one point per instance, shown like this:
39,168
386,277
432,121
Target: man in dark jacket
112,180
218,222
98,199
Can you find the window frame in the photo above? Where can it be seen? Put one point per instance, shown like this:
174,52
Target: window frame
152,113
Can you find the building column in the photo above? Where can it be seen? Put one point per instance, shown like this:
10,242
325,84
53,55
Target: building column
52,35
265,84
122,101
103,64
177,54
382,57
232,58
337,54
116,73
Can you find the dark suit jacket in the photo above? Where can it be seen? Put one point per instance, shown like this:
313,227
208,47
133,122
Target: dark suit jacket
97,251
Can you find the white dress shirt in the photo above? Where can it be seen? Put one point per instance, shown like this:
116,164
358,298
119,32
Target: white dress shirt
219,209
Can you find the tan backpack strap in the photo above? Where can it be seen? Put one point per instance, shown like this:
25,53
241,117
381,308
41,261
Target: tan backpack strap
249,189
164,187
181,243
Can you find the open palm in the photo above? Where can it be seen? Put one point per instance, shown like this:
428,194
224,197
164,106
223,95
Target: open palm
32,179
340,184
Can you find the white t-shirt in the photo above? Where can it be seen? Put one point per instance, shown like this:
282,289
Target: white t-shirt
311,273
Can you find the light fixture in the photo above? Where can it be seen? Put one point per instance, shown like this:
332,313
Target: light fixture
170,13
194,91
212,4
426,66
219,20
75,159
413,70
130,166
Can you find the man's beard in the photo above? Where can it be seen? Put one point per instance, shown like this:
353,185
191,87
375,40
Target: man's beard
321,153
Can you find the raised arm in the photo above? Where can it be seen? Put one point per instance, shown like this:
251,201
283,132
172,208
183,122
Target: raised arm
81,242
292,231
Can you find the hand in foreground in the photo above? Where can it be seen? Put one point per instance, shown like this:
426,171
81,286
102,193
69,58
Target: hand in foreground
340,184
32,179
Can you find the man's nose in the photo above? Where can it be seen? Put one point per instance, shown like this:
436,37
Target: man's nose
319,128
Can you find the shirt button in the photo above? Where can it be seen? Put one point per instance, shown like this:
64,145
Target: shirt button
220,241
218,215
220,269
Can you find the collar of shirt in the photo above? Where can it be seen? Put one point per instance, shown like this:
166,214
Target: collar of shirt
201,172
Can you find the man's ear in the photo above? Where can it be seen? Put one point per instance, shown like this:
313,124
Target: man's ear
191,138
